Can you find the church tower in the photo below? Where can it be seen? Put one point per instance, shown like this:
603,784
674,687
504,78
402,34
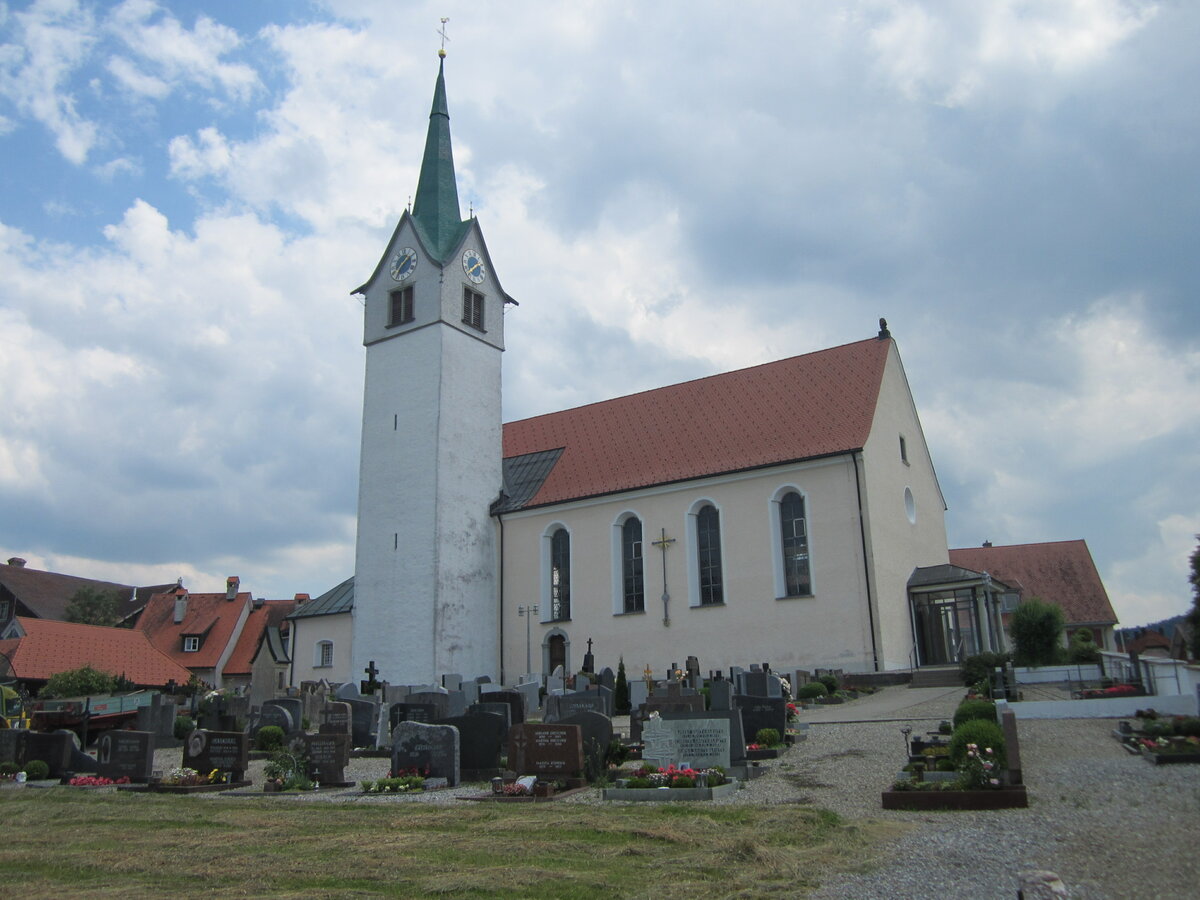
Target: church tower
425,593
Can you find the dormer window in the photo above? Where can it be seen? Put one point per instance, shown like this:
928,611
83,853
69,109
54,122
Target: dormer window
191,643
400,306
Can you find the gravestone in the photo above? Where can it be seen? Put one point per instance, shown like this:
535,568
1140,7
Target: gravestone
737,737
336,718
530,691
515,701
774,686
158,717
452,682
225,751
412,712
439,700
470,692
555,751
55,748
608,696
456,703
503,710
596,732
328,755
433,750
556,681
566,705
480,743
608,678
762,712
276,716
362,722
348,691
125,754
638,692
754,684
720,694
676,699
294,707
10,745
395,693
699,742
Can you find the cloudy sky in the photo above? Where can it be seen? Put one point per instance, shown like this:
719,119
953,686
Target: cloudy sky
190,190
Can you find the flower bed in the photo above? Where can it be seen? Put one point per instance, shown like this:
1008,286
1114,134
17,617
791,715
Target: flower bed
669,794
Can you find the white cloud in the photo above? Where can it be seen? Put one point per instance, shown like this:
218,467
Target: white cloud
1154,585
54,37
208,155
180,55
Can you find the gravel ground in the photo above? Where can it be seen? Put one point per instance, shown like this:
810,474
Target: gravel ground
1113,826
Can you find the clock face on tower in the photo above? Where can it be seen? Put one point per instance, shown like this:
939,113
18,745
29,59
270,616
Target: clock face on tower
404,263
473,265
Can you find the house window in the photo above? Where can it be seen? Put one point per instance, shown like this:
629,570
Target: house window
3,610
793,533
191,644
708,555
472,308
400,306
560,575
633,585
324,655
903,450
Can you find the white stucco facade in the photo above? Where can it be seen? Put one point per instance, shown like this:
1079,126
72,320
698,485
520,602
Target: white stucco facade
425,568
841,624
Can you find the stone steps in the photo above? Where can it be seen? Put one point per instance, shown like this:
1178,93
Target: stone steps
936,676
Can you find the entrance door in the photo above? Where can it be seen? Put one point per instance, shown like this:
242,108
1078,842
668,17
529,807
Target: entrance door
557,645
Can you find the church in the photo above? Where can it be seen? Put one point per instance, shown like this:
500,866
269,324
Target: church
787,513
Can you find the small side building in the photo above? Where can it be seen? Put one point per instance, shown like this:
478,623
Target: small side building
322,631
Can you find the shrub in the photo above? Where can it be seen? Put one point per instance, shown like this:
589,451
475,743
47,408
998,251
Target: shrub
617,753
82,682
981,733
685,781
974,709
1083,647
270,737
183,727
1036,627
831,684
1158,728
621,690
36,770
638,782
811,690
767,737
1188,726
979,667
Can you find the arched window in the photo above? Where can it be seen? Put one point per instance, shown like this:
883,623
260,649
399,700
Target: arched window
560,575
793,535
323,654
633,583
708,555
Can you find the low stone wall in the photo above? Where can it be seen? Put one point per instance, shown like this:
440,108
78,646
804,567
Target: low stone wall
1107,708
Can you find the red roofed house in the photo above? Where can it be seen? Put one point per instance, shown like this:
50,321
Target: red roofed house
1059,572
36,649
45,595
776,513
260,660
215,636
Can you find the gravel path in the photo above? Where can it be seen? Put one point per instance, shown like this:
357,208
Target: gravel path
1113,826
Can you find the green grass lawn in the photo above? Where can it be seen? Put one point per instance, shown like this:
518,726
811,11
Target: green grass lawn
68,842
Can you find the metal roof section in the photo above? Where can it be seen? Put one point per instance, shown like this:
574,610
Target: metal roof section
523,477
435,212
336,600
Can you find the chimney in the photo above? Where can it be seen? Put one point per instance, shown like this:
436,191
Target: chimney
301,599
987,543
16,562
231,587
181,598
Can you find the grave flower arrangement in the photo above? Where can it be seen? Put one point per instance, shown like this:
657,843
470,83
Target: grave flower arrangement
96,781
187,776
793,712
980,769
404,781
674,777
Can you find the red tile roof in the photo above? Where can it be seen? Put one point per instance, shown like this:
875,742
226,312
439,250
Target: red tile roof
50,646
804,407
1060,572
208,615
271,614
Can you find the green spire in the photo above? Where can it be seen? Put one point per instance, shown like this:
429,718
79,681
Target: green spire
435,209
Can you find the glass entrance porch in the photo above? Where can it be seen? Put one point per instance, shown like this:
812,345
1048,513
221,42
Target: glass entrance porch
955,618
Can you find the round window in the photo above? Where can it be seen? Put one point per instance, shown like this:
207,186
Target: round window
910,506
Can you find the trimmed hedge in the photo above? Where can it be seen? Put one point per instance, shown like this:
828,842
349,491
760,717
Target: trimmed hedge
810,691
974,709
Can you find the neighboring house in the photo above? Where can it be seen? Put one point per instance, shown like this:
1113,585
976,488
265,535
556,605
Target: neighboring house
260,662
36,649
1150,643
45,595
321,636
198,631
1058,572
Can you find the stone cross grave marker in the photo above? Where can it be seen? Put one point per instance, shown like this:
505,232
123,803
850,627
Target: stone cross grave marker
427,747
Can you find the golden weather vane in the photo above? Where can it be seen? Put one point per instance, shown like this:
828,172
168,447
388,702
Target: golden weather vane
442,32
